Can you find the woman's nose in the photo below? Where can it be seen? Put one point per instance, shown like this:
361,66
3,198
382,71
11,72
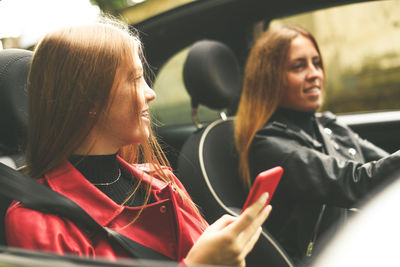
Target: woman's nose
149,93
314,72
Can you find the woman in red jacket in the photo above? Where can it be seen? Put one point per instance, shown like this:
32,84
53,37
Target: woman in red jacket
88,121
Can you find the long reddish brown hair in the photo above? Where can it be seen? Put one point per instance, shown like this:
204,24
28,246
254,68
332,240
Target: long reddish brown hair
263,87
72,75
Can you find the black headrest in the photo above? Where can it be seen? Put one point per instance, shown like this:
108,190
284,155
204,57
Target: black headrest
14,68
212,75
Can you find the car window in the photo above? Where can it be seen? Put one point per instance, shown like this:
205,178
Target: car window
360,46
172,105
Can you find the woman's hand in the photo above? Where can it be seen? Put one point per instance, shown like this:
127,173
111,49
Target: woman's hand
230,239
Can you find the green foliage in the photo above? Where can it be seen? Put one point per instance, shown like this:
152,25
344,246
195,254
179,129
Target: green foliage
111,6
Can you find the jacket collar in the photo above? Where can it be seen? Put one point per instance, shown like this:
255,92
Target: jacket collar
278,127
280,122
68,181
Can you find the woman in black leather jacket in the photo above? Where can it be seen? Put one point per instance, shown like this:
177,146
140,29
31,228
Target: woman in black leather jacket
327,167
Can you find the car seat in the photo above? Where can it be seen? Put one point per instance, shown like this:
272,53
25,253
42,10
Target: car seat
14,68
208,163
212,78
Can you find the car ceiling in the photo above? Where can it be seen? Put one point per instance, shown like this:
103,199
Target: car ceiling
229,21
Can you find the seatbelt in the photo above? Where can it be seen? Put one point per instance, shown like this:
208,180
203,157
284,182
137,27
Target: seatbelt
18,186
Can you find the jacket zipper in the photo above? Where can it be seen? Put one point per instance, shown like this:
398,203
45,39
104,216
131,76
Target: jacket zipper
315,232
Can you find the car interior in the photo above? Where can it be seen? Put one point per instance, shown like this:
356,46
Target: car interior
203,155
198,25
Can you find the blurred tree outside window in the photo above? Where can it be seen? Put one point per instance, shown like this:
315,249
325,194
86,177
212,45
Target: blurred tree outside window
113,7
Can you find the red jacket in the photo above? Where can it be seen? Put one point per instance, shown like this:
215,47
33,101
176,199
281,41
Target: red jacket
167,225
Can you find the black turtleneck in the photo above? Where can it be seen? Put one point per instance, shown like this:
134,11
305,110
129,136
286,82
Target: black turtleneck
105,169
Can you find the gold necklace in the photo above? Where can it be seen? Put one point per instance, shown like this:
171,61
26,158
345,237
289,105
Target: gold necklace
113,182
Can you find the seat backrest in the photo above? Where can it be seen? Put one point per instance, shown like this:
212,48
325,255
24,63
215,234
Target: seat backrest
14,68
208,162
207,166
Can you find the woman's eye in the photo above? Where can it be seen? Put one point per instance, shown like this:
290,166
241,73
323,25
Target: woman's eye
297,66
136,79
318,63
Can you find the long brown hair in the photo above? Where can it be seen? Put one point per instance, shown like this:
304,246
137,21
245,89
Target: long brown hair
72,75
263,87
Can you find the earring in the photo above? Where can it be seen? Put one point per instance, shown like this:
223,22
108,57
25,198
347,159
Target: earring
92,114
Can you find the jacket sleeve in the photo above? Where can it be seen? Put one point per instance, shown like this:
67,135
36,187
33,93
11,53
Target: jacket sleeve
310,174
31,229
370,151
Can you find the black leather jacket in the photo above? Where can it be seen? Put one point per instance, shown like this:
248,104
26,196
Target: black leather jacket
326,170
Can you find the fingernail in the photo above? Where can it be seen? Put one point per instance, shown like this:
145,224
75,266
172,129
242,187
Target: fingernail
264,196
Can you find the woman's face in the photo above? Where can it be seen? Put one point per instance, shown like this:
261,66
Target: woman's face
304,76
127,121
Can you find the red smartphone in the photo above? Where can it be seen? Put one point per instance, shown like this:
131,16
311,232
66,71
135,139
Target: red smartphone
266,181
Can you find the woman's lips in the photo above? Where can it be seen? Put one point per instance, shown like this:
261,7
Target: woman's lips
312,91
145,114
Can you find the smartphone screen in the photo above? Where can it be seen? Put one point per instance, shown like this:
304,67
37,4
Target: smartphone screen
266,181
